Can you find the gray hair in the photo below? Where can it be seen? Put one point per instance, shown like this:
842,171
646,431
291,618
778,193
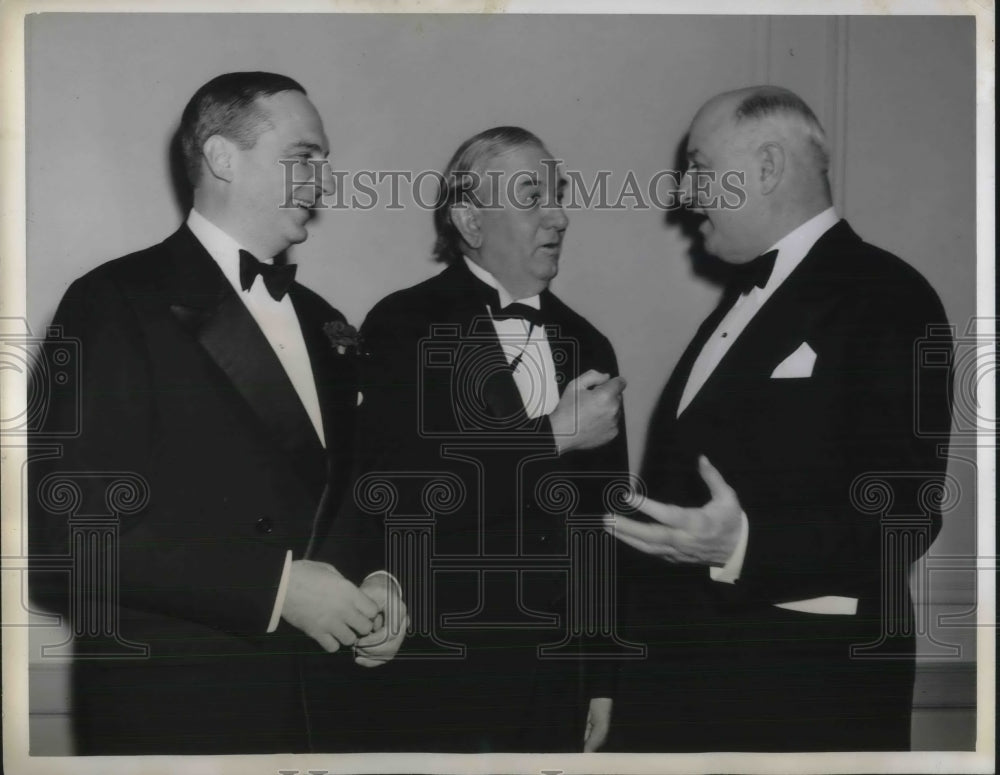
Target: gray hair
774,101
462,175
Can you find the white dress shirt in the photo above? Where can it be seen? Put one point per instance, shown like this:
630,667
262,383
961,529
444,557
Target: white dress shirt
792,248
535,375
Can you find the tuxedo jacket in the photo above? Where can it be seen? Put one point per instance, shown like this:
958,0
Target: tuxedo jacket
441,402
834,468
180,390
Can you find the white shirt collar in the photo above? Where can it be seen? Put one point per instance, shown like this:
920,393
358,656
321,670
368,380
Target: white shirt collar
794,246
490,280
220,246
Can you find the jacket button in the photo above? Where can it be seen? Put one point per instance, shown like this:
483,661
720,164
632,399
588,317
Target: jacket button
264,525
543,538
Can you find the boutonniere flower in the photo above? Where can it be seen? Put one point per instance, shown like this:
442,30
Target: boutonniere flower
343,336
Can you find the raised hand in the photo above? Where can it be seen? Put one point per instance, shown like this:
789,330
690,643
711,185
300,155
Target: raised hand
588,412
707,535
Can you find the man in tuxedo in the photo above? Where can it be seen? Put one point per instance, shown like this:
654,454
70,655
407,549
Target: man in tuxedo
769,584
487,400
209,388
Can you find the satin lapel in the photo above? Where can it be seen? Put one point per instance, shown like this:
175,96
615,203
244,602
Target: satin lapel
487,366
205,304
483,366
563,342
330,372
335,376
239,348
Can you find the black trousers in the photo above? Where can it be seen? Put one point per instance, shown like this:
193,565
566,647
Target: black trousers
787,683
220,705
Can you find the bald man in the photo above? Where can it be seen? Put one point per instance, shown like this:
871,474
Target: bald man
769,586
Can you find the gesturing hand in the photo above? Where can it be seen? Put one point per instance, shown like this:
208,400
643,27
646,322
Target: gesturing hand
326,606
700,536
588,412
390,624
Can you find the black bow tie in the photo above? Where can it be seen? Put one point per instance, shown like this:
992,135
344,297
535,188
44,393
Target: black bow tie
746,276
277,278
518,311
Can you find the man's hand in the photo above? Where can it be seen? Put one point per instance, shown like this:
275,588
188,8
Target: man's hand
381,645
588,412
598,723
326,606
700,536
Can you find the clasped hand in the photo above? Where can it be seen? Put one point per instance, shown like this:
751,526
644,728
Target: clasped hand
588,413
707,535
334,612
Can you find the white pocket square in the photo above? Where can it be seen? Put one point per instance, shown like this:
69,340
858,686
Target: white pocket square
797,365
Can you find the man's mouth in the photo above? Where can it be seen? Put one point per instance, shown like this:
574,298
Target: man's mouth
304,198
553,246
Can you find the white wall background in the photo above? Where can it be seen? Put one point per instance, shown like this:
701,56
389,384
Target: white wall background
105,93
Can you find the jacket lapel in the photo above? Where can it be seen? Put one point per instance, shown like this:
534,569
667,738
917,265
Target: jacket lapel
204,303
335,375
563,342
485,365
336,381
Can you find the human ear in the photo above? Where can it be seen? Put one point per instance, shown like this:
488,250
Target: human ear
466,219
771,164
217,153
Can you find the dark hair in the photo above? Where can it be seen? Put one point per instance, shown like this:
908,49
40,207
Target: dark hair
461,176
227,106
767,101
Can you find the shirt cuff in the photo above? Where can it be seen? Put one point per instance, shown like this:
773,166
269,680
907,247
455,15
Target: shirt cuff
730,572
395,583
279,600
829,604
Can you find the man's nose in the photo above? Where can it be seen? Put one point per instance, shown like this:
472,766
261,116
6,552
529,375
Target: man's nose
556,217
326,180
686,191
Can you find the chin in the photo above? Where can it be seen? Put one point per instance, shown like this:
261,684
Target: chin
298,236
729,256
547,269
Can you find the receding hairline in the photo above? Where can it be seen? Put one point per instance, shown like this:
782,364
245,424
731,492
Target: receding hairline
757,106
